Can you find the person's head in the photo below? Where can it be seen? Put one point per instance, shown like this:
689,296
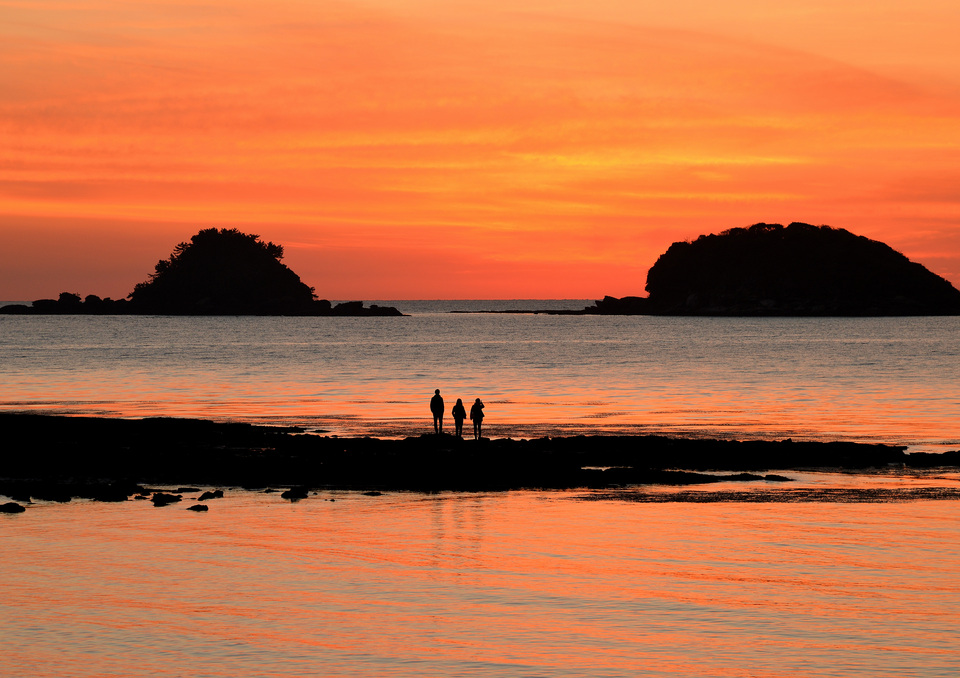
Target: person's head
437,392
478,400
459,401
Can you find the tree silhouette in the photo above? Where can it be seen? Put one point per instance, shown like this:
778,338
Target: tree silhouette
223,272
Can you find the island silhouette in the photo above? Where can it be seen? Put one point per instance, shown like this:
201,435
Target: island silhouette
795,270
218,272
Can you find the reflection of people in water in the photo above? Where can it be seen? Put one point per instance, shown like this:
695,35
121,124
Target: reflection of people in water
459,414
436,406
476,415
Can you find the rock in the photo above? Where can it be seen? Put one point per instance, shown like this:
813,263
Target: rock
623,306
215,494
163,498
295,493
198,507
11,507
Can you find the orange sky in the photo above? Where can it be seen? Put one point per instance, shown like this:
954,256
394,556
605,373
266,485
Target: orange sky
426,149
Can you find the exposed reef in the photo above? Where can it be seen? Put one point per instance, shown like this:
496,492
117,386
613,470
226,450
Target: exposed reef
218,272
63,457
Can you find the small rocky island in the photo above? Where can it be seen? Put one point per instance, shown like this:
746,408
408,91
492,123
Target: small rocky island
218,272
797,270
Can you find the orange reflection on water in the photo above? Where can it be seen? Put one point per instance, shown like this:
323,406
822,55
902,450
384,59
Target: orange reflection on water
480,584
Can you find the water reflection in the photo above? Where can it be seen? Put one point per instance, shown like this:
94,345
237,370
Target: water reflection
524,583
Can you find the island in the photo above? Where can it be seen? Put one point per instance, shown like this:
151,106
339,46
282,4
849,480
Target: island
775,270
218,272
797,270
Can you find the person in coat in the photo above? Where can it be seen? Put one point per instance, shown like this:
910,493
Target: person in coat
476,415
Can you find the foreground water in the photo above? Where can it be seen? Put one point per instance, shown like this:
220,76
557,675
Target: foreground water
513,584
868,379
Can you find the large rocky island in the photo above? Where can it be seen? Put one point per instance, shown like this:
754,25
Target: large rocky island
218,272
797,270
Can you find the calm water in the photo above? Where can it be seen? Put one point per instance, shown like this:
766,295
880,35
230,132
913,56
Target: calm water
512,584
874,379
515,584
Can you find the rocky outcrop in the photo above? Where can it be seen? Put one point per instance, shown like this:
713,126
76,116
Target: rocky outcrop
67,452
622,306
164,498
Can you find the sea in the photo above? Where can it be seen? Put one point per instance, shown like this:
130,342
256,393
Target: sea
755,578
890,380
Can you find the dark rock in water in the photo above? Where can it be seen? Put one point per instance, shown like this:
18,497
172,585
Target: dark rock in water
296,493
215,494
623,306
373,493
163,498
773,477
356,308
798,270
198,507
11,507
53,492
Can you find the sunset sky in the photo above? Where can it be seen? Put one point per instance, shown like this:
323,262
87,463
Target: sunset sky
405,149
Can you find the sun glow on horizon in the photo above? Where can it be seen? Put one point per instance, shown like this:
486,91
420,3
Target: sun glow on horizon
421,150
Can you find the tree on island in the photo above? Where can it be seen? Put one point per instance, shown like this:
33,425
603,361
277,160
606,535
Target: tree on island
224,272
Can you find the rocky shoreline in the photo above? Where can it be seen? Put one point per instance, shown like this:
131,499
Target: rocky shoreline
58,458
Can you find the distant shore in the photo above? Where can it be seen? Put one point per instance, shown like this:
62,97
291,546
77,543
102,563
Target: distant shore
110,458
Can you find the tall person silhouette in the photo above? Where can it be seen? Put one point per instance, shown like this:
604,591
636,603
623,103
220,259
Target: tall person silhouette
436,406
476,415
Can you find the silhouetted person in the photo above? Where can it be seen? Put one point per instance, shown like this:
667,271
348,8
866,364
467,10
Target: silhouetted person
459,414
476,415
436,406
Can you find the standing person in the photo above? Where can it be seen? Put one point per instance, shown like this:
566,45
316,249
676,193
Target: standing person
476,414
459,414
436,406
